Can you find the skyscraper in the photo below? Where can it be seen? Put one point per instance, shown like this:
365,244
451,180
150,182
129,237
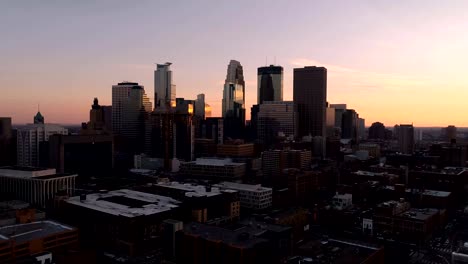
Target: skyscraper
310,97
275,118
270,84
377,131
130,108
233,104
164,89
38,118
200,106
406,139
349,125
6,141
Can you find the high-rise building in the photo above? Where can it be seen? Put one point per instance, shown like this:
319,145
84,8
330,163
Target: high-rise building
164,89
170,136
361,128
339,110
406,139
377,131
276,119
30,141
270,84
99,120
331,117
184,106
38,118
6,142
207,110
200,106
275,161
310,97
130,108
233,104
349,127
450,133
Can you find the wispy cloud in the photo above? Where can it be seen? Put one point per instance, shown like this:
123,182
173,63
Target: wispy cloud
364,80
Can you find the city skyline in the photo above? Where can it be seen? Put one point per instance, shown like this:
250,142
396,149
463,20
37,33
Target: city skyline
399,63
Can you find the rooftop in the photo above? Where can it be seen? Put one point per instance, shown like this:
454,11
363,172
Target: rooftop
126,203
192,190
215,162
30,172
242,187
25,232
419,214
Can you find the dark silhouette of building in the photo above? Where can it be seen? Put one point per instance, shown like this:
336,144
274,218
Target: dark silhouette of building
38,118
406,139
99,120
310,96
169,136
450,133
270,84
377,131
213,128
349,127
7,143
86,155
130,108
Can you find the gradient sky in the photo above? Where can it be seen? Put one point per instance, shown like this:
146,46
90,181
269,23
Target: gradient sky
392,61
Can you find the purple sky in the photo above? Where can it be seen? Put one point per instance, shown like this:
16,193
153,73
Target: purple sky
395,62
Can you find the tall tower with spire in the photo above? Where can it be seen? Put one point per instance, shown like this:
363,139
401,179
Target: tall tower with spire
38,118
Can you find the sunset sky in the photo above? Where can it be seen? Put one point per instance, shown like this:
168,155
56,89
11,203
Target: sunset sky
394,62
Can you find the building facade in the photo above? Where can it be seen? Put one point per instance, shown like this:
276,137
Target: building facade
130,108
255,197
276,119
310,96
35,186
164,89
270,84
29,142
233,103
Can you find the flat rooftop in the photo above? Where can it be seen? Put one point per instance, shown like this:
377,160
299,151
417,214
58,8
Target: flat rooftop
243,187
21,233
419,214
127,203
192,190
435,193
216,162
244,236
30,172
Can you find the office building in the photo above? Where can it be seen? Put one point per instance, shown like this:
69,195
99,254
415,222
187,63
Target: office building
184,106
361,128
86,155
200,106
100,121
130,108
310,97
36,186
377,131
349,127
164,89
20,243
235,150
169,136
254,242
331,121
214,169
233,103
208,110
270,84
276,120
450,133
7,145
30,143
275,161
406,139
213,128
126,221
254,197
206,204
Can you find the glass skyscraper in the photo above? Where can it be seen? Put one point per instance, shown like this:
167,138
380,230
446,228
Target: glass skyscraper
164,89
233,104
270,84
